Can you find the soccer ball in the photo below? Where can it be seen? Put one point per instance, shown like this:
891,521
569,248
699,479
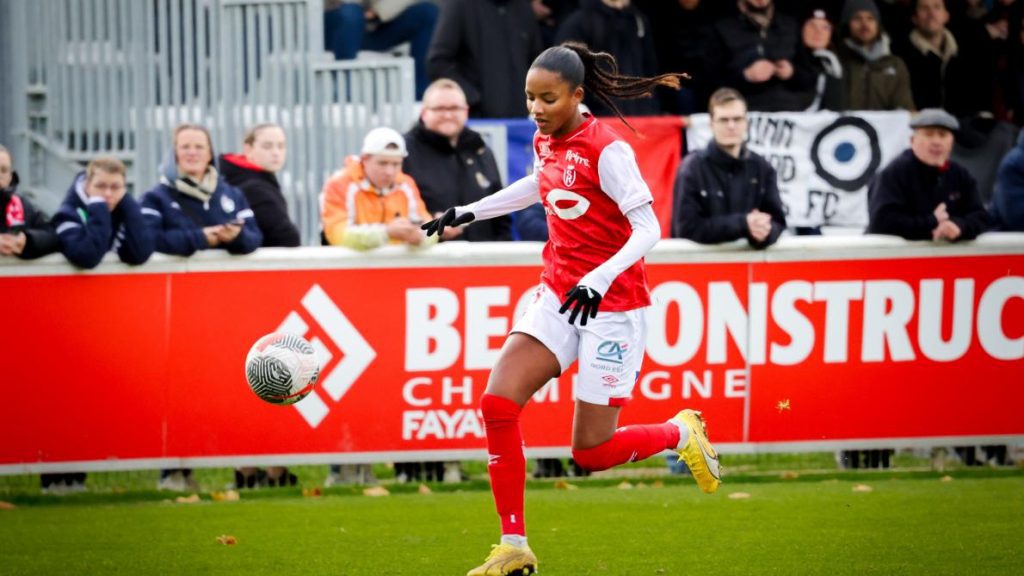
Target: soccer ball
282,368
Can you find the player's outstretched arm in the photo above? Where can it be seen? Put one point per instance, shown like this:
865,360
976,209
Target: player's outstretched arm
447,220
515,196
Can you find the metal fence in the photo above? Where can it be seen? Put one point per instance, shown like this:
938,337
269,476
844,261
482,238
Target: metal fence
95,77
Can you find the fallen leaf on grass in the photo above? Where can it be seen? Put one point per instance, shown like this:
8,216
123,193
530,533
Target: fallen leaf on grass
227,540
862,488
424,489
563,485
376,491
946,478
6,505
789,475
657,484
739,496
311,492
187,499
227,496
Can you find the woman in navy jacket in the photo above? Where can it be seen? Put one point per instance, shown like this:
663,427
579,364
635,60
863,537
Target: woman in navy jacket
192,208
97,216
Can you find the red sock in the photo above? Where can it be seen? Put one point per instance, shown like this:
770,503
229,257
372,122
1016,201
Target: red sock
629,444
506,463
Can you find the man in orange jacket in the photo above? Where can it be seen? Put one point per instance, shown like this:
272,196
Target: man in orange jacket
371,202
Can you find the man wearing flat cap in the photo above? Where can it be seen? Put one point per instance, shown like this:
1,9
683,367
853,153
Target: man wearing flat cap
921,194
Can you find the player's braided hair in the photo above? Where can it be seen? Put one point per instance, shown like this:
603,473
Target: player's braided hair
598,73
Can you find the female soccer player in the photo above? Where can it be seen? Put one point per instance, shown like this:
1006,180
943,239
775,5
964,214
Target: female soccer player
600,226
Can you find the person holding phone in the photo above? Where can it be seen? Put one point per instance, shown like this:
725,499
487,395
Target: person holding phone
193,208
254,172
24,230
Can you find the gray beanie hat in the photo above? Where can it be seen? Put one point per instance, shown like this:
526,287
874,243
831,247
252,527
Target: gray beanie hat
853,6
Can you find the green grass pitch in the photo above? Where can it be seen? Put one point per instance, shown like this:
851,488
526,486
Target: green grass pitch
904,525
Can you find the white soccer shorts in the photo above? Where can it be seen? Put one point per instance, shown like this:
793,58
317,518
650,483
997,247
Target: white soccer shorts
610,348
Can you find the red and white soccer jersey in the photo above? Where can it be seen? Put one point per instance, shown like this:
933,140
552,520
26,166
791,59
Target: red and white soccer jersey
588,180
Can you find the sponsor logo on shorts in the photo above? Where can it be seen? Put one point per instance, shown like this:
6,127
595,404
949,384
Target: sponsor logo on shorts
611,351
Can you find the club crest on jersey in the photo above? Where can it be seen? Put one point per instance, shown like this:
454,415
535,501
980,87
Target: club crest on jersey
569,176
574,157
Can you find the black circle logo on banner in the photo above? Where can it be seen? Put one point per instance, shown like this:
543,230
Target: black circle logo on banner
846,154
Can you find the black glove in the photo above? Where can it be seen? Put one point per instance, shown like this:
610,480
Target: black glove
586,299
437,225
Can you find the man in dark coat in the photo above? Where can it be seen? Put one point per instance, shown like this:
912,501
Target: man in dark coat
621,30
949,71
451,164
726,192
921,195
486,46
753,52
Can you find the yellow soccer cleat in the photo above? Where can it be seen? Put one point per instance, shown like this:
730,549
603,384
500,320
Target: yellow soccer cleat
698,453
507,560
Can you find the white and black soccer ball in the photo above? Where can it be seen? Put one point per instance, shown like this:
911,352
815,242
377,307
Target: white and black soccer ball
282,368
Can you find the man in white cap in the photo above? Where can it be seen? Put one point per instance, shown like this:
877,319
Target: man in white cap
921,195
371,202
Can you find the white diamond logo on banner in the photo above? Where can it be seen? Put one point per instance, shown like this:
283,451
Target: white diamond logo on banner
358,354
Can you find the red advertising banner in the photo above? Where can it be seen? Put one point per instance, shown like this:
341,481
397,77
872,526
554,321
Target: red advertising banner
136,368
879,349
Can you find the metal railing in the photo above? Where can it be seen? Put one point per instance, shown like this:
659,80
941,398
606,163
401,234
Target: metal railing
115,76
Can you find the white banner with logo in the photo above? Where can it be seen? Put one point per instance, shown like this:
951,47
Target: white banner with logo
824,160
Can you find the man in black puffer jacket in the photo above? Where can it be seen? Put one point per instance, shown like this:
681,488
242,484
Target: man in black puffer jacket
726,192
451,164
